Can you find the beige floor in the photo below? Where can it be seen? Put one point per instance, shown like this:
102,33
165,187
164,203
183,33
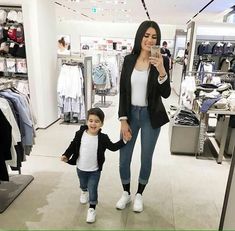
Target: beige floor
183,192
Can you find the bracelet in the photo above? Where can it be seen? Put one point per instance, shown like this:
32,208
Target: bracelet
123,119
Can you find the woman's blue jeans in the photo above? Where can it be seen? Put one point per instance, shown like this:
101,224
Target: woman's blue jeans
89,182
139,121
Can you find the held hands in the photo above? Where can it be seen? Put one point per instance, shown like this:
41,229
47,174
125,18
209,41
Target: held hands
158,63
125,130
127,136
64,159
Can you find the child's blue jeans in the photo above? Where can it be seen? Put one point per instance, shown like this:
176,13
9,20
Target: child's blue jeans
89,182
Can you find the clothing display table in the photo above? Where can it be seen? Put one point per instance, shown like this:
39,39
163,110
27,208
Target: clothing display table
203,125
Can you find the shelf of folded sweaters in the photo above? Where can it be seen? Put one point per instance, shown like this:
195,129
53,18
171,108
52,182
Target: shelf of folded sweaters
209,94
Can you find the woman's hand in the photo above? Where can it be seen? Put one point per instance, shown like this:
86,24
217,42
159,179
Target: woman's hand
158,63
64,159
125,130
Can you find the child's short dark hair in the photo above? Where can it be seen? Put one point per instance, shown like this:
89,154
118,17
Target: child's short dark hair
96,111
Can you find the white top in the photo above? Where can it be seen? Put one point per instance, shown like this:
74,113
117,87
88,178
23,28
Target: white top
87,160
133,79
139,81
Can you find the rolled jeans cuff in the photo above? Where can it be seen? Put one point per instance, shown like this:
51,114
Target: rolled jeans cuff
125,181
93,202
144,182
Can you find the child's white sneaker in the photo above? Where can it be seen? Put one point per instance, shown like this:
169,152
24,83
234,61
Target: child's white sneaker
84,197
91,214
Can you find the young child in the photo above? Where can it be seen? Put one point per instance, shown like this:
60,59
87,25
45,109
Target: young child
87,152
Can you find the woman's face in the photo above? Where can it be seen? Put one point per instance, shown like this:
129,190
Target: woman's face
149,39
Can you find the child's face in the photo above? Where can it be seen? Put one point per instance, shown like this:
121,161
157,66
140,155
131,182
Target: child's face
94,124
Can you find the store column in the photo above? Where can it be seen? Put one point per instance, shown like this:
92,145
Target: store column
40,38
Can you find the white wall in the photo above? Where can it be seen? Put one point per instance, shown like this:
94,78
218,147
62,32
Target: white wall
216,29
40,36
102,29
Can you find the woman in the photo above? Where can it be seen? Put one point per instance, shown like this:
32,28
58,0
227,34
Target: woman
164,50
144,80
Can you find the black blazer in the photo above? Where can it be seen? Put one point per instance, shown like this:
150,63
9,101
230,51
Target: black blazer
155,91
72,152
165,51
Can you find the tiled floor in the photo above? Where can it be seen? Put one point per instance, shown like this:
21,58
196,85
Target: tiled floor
183,192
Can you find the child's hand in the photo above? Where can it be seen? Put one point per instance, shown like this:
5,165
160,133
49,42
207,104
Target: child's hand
127,136
64,158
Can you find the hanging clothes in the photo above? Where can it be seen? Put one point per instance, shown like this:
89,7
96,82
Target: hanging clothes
24,117
205,67
5,144
218,49
225,65
16,157
101,76
204,48
70,92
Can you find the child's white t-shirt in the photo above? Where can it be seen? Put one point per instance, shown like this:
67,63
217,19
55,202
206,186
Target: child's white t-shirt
87,160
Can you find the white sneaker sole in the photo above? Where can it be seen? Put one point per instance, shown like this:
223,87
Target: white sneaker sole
121,208
137,210
90,222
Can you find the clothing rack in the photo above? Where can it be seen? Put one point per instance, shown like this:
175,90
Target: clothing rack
103,93
10,190
211,72
72,59
87,74
8,8
222,75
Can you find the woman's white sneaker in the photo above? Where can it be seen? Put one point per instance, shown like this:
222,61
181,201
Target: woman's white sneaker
138,206
84,197
91,214
124,200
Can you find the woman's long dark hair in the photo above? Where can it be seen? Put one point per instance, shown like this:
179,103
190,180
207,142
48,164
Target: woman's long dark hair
141,32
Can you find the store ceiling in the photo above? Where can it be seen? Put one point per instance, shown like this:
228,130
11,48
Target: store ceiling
177,12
